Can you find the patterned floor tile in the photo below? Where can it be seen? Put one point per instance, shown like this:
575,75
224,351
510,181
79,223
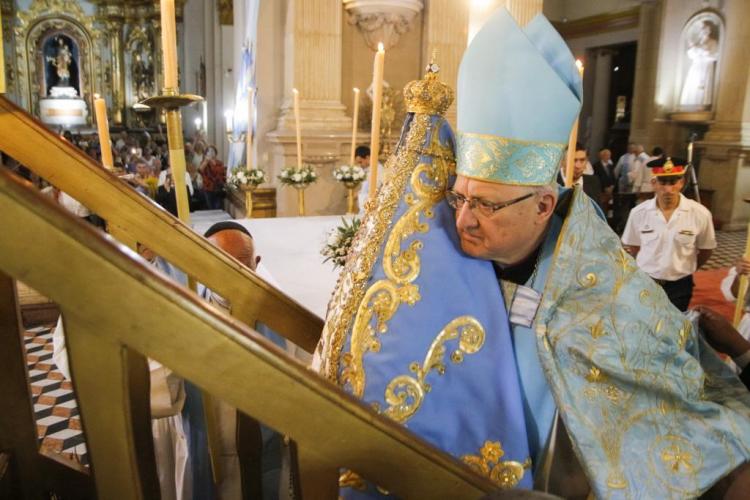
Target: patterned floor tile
57,418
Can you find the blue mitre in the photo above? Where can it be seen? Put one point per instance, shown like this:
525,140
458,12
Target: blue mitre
519,93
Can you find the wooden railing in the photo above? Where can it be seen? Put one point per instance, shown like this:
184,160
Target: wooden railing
118,310
133,218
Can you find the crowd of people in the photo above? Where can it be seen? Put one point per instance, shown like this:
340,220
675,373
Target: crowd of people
144,163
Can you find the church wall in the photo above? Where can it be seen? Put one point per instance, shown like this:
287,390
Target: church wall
269,71
403,64
191,51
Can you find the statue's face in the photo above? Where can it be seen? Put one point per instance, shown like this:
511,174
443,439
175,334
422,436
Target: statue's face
504,236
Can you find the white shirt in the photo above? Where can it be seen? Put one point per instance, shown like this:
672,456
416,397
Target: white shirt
669,250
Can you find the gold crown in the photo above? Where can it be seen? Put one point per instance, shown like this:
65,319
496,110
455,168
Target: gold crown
428,95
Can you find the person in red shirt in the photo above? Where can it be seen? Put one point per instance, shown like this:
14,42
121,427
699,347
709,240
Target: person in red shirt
214,175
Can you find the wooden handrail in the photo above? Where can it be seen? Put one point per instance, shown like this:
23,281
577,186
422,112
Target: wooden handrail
138,218
88,274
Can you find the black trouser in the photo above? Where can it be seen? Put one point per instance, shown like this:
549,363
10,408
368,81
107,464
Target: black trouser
679,292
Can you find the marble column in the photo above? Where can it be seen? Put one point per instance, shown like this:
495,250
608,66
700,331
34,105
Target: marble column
600,112
524,10
725,162
313,65
446,28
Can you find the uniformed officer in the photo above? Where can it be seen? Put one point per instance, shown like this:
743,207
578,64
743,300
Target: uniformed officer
670,235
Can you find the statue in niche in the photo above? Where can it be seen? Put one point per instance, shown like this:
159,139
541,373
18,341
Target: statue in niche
142,76
702,52
61,63
60,55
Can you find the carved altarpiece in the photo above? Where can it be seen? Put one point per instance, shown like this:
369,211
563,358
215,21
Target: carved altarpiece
33,29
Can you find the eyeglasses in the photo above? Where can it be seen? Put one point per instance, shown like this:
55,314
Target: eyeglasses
486,208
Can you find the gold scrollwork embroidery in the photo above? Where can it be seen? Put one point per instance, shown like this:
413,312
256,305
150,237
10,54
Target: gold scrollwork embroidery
350,479
401,267
404,394
506,474
351,287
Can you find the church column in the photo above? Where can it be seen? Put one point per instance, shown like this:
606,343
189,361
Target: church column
725,165
600,112
114,24
524,11
446,27
313,65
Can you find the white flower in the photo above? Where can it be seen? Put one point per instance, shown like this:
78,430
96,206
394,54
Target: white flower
297,177
333,238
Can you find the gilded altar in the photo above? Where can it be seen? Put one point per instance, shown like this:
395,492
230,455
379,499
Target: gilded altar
73,49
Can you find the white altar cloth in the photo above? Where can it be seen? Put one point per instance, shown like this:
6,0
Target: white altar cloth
289,248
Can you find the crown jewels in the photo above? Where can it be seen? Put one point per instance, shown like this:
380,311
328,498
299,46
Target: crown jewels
428,95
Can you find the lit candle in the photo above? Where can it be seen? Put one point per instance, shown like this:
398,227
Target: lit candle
690,153
229,120
249,133
570,158
377,99
198,123
169,43
296,126
102,126
355,117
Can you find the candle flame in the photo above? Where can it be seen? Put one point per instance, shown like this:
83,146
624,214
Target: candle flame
96,96
356,90
579,65
381,48
295,91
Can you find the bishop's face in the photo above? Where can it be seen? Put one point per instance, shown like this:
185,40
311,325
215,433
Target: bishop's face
507,236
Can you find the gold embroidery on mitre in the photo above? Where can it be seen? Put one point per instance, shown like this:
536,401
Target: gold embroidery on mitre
506,474
405,393
508,161
350,479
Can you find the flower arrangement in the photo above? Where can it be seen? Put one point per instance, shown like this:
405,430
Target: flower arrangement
243,177
339,241
300,178
350,176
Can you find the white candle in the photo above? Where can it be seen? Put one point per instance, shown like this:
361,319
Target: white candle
229,120
102,126
249,134
377,99
169,43
570,158
355,117
295,92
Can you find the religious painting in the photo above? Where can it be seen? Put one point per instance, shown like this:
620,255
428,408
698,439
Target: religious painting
61,58
139,61
700,54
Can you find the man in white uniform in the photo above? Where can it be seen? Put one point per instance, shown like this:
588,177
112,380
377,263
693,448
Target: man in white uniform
670,235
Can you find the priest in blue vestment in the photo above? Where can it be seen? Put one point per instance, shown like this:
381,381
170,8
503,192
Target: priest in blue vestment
494,314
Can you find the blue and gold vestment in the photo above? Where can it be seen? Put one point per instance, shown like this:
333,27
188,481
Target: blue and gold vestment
401,334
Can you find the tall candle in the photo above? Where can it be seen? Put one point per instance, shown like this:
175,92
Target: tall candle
377,99
295,92
249,134
229,121
169,43
570,158
355,117
102,126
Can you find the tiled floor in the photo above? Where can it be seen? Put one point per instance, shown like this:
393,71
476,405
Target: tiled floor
57,419
730,246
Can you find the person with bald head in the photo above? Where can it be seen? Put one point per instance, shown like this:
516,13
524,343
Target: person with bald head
236,240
